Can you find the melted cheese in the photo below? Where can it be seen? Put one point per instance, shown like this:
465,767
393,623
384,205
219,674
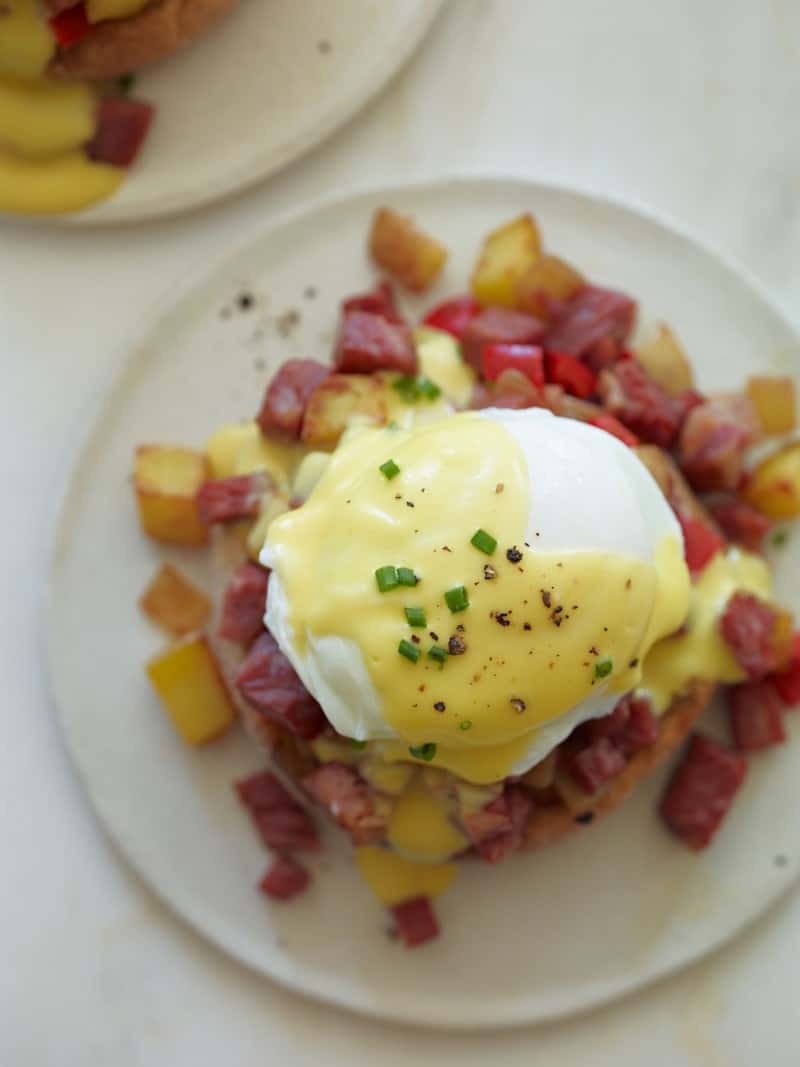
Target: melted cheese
393,878
700,651
100,10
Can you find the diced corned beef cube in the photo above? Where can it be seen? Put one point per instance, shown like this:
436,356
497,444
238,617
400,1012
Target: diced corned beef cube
595,322
284,879
415,921
349,799
282,823
700,542
122,125
572,375
740,522
368,342
498,325
244,604
613,426
286,396
787,682
757,633
453,316
228,499
713,439
640,731
517,804
638,401
701,790
378,302
267,680
485,823
607,725
756,714
593,766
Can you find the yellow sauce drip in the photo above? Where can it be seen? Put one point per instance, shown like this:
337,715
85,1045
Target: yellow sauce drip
420,827
440,360
393,879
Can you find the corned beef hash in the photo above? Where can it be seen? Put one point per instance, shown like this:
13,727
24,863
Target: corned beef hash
479,576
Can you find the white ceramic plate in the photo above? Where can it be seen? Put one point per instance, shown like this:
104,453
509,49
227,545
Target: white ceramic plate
268,83
540,936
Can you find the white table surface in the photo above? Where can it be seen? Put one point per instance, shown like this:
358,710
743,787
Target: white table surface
688,108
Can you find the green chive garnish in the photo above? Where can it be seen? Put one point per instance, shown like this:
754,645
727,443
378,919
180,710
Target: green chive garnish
484,542
457,599
387,578
389,469
430,390
426,751
416,616
405,576
779,538
408,389
438,654
465,724
125,84
603,668
358,745
393,425
405,648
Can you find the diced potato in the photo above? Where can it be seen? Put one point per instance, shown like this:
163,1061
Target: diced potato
333,404
190,686
543,774
166,479
774,486
548,277
335,750
665,361
408,254
224,445
175,603
774,401
507,255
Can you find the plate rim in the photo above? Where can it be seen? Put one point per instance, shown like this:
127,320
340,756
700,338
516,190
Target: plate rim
76,451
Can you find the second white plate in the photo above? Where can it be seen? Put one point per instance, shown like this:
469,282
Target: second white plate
537,937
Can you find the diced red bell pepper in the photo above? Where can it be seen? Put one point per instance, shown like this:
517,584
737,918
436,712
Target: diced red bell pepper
598,763
284,879
702,790
787,683
453,316
612,425
415,921
122,125
378,302
71,25
498,325
756,714
700,543
528,359
572,375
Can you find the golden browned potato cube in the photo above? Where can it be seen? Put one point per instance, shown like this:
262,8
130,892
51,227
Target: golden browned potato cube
166,479
175,603
548,277
335,402
665,361
507,255
408,254
774,401
774,486
190,686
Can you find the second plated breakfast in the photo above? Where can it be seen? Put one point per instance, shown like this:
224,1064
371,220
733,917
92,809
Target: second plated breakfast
477,578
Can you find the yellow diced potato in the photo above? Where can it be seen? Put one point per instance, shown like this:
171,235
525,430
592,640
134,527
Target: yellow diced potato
167,479
774,485
175,603
225,444
42,118
507,255
411,256
774,401
548,277
26,41
335,402
665,361
189,683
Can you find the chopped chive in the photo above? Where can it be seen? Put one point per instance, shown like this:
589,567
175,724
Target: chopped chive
387,578
430,390
603,668
125,84
457,599
437,653
779,538
389,469
484,542
358,745
426,751
405,648
465,724
407,387
416,616
393,425
405,576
